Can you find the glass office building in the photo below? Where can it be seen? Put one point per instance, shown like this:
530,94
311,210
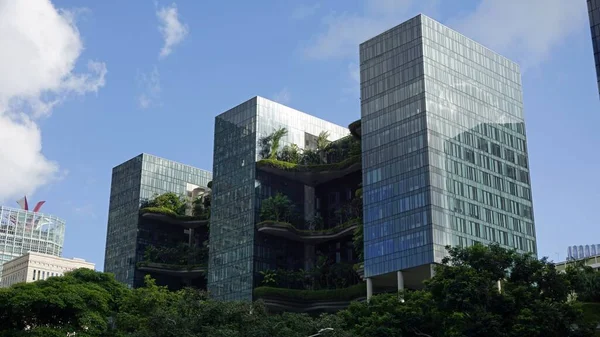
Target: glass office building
134,182
444,149
594,12
236,191
23,231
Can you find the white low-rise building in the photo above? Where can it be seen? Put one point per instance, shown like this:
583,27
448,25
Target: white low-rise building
36,266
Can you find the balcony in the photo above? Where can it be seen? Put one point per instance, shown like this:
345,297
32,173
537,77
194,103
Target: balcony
311,175
181,260
167,216
287,230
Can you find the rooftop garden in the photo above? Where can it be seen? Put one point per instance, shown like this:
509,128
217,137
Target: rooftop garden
175,206
325,156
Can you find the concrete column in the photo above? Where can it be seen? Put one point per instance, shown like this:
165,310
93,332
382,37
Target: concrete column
191,241
400,278
369,288
500,286
432,270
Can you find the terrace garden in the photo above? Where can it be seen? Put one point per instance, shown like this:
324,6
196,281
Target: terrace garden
327,161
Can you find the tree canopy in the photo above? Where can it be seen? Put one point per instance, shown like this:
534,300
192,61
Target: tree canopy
462,299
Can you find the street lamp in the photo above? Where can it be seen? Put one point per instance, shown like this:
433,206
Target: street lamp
321,331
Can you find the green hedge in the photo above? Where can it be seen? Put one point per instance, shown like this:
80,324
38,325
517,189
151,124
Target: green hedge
591,312
327,231
286,166
343,294
170,213
171,266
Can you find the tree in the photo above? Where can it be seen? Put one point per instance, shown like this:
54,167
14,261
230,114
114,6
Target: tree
291,154
277,208
170,201
463,299
585,281
322,142
275,142
79,302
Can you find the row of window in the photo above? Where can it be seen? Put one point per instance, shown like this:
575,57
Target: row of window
398,67
391,115
394,132
481,77
462,225
392,97
394,38
393,151
490,179
42,275
395,225
493,60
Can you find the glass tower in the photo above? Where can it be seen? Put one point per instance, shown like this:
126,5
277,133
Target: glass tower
236,191
24,231
134,182
444,149
594,11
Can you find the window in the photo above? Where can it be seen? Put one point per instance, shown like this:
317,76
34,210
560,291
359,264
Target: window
34,274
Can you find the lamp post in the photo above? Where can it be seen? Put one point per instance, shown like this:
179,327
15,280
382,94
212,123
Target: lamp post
321,331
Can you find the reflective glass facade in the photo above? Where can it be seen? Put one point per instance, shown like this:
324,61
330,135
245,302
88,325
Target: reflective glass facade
444,147
234,256
594,11
134,182
25,231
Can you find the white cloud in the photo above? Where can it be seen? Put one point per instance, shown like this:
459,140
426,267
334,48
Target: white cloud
345,31
172,30
283,97
526,31
40,46
304,11
151,89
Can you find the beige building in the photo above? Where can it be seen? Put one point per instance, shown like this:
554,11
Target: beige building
36,266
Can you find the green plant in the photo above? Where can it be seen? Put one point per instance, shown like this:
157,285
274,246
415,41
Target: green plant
310,157
201,206
343,294
317,231
264,144
358,241
291,154
316,223
275,141
170,201
277,208
269,278
179,255
303,167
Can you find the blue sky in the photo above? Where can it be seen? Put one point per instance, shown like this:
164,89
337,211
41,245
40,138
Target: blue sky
75,103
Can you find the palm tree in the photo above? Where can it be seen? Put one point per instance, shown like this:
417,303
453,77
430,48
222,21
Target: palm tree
322,143
275,139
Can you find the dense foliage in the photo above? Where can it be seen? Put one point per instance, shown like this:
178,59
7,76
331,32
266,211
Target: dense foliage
180,255
462,299
277,208
168,201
